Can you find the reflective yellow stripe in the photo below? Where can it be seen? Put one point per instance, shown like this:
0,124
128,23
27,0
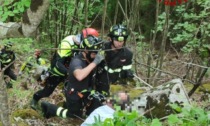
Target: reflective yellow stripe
64,113
104,93
112,70
83,91
92,92
7,61
59,73
117,70
59,111
127,67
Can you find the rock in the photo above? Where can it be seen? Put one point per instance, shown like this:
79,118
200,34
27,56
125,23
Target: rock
155,102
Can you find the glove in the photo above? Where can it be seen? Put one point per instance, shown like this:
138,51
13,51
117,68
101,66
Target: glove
98,59
129,74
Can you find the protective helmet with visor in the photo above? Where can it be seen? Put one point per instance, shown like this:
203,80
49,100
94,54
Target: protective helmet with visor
91,43
118,33
89,31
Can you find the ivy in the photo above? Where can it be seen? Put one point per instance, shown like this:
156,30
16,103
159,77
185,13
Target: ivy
12,10
189,26
184,116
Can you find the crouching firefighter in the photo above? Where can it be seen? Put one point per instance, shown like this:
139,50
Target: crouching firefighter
58,70
118,60
81,70
7,56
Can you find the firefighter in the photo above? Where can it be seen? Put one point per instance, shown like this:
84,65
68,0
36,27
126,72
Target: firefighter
32,62
7,56
58,69
118,60
77,89
34,66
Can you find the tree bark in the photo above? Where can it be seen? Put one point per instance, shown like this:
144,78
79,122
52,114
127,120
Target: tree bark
163,43
86,12
4,107
30,21
116,12
104,18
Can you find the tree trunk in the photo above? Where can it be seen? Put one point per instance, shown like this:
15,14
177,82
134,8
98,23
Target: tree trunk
163,43
74,17
86,12
152,43
116,12
4,107
104,18
30,21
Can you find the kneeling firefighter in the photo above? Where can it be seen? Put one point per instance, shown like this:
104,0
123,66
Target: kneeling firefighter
60,62
78,88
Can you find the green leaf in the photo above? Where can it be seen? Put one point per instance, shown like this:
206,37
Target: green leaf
15,11
173,119
176,107
11,14
156,122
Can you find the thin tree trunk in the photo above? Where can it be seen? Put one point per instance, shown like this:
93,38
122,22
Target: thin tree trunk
74,16
4,107
116,12
163,43
126,9
104,18
152,43
86,12
198,83
131,24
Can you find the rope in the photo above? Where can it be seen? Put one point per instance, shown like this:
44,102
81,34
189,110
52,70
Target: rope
81,49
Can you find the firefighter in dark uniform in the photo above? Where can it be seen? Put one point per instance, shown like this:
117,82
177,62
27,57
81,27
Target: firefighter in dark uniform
81,70
58,69
7,56
118,60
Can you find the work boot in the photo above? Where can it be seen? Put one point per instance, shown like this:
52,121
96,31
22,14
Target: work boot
34,104
49,110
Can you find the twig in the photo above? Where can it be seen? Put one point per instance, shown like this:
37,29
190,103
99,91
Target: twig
149,110
193,64
142,81
79,117
167,73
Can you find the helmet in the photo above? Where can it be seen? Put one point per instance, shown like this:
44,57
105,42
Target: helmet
118,32
89,31
37,52
91,43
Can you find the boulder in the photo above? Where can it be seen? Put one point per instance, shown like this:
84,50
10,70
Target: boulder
155,102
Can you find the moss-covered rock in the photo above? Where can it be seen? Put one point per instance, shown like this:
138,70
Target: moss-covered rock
26,113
